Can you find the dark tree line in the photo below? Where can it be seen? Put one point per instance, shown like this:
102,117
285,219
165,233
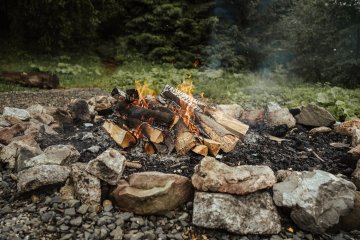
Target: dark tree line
316,39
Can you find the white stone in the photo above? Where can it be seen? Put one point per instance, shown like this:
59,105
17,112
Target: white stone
254,213
21,114
317,199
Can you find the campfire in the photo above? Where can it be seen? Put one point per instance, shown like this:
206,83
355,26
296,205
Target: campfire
174,119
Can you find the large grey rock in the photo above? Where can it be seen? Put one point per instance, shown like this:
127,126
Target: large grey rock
276,116
21,114
356,175
314,116
87,187
152,192
317,199
214,176
108,166
251,214
56,154
39,113
18,150
39,176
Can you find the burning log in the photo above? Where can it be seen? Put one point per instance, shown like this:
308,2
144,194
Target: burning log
217,132
153,134
184,139
144,114
213,146
201,150
182,99
32,79
122,137
234,126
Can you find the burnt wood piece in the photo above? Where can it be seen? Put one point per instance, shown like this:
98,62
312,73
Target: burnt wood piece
182,99
201,150
146,115
153,134
213,146
233,125
121,136
149,148
217,132
44,80
184,139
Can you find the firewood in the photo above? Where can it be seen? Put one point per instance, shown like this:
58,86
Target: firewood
233,125
32,79
201,150
135,165
213,146
217,132
182,99
153,134
184,139
122,137
149,148
146,115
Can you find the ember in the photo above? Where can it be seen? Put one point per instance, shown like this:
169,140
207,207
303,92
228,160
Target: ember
173,119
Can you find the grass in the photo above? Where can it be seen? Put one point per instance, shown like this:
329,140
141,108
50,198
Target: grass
247,89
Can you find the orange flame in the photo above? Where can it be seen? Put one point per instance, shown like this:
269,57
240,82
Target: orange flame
143,90
186,86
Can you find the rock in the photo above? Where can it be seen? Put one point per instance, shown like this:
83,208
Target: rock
281,175
117,233
101,103
7,134
39,113
19,150
87,187
232,110
79,110
317,199
70,211
250,214
355,137
355,151
214,176
76,221
67,192
54,155
320,130
276,116
314,116
43,175
94,149
253,117
356,175
107,205
108,166
83,209
348,126
152,192
351,221
4,123
21,114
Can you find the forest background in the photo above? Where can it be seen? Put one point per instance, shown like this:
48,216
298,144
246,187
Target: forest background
248,51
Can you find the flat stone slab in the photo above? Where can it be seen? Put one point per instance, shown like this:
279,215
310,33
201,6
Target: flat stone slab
213,176
251,214
39,176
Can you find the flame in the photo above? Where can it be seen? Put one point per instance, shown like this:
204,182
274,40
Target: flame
186,86
196,63
143,90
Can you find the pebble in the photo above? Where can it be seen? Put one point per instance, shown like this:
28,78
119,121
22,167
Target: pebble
83,209
70,211
74,203
117,233
76,221
47,216
107,205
